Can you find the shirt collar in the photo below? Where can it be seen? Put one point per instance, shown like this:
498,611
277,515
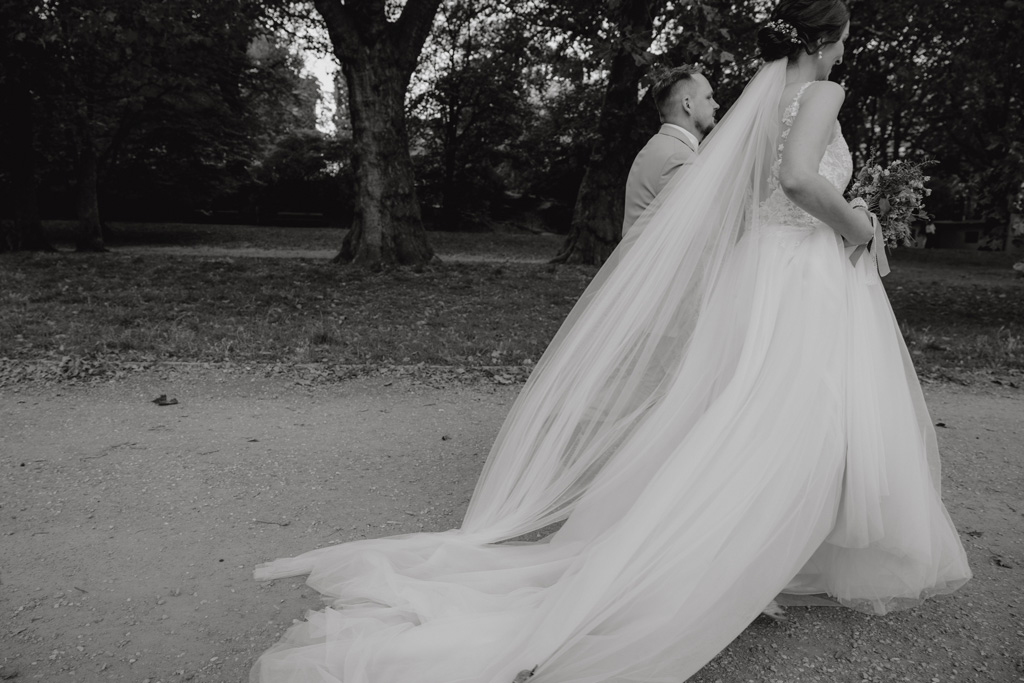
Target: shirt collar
689,136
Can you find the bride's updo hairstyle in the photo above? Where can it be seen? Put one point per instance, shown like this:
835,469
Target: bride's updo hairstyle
801,25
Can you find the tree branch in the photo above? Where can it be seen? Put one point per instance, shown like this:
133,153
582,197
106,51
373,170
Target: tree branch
341,26
411,29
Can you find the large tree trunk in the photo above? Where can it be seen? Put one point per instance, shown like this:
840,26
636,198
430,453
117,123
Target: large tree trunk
89,233
387,228
26,233
597,218
450,196
378,57
1011,200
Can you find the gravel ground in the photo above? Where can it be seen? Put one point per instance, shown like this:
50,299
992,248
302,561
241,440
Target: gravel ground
130,530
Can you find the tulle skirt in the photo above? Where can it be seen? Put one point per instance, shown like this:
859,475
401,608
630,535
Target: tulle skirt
790,452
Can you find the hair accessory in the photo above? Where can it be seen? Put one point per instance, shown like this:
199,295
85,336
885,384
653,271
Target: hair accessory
820,55
785,28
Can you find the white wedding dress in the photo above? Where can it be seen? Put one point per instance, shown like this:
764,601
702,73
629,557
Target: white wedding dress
712,431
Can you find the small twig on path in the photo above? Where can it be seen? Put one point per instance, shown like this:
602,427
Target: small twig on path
261,521
80,589
107,450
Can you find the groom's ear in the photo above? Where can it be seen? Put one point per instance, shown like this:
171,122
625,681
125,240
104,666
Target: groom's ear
687,104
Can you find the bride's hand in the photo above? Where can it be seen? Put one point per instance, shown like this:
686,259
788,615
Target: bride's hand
855,251
869,217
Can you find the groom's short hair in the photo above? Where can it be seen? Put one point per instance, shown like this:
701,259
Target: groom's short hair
666,81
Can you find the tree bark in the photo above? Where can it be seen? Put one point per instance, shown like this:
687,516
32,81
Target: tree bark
387,227
1008,235
450,196
378,58
89,233
597,217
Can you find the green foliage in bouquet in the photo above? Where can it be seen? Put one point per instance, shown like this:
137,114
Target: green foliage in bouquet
896,195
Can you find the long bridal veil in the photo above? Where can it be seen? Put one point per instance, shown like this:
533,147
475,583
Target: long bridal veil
688,472
610,361
608,364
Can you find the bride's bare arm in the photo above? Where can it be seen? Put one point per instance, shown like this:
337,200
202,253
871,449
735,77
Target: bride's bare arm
808,138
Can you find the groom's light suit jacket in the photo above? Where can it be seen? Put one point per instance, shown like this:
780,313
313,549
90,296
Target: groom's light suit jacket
653,167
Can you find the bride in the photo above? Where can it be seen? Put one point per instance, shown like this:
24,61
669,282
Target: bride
729,412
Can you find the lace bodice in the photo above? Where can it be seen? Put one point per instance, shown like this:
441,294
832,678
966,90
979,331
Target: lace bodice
836,167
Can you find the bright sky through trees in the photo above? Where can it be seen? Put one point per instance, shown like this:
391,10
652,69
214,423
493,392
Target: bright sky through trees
323,67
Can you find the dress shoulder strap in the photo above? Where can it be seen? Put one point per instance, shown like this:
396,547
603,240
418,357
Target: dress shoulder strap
788,117
794,107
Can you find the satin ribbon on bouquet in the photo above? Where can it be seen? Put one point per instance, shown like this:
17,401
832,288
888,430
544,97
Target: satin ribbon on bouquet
877,248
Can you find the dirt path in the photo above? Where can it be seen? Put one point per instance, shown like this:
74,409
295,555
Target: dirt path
130,531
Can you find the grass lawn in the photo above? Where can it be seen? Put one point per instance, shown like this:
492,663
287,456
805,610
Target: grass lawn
147,307
962,313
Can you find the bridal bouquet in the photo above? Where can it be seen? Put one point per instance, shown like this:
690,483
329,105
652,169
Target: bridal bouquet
896,195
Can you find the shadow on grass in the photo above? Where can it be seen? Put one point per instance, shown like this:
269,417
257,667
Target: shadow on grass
199,235
516,246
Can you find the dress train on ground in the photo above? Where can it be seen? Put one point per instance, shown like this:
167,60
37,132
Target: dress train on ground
765,434
733,489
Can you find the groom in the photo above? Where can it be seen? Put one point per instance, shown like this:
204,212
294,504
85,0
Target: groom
686,106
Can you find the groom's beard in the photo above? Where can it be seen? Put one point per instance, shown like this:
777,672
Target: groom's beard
705,129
